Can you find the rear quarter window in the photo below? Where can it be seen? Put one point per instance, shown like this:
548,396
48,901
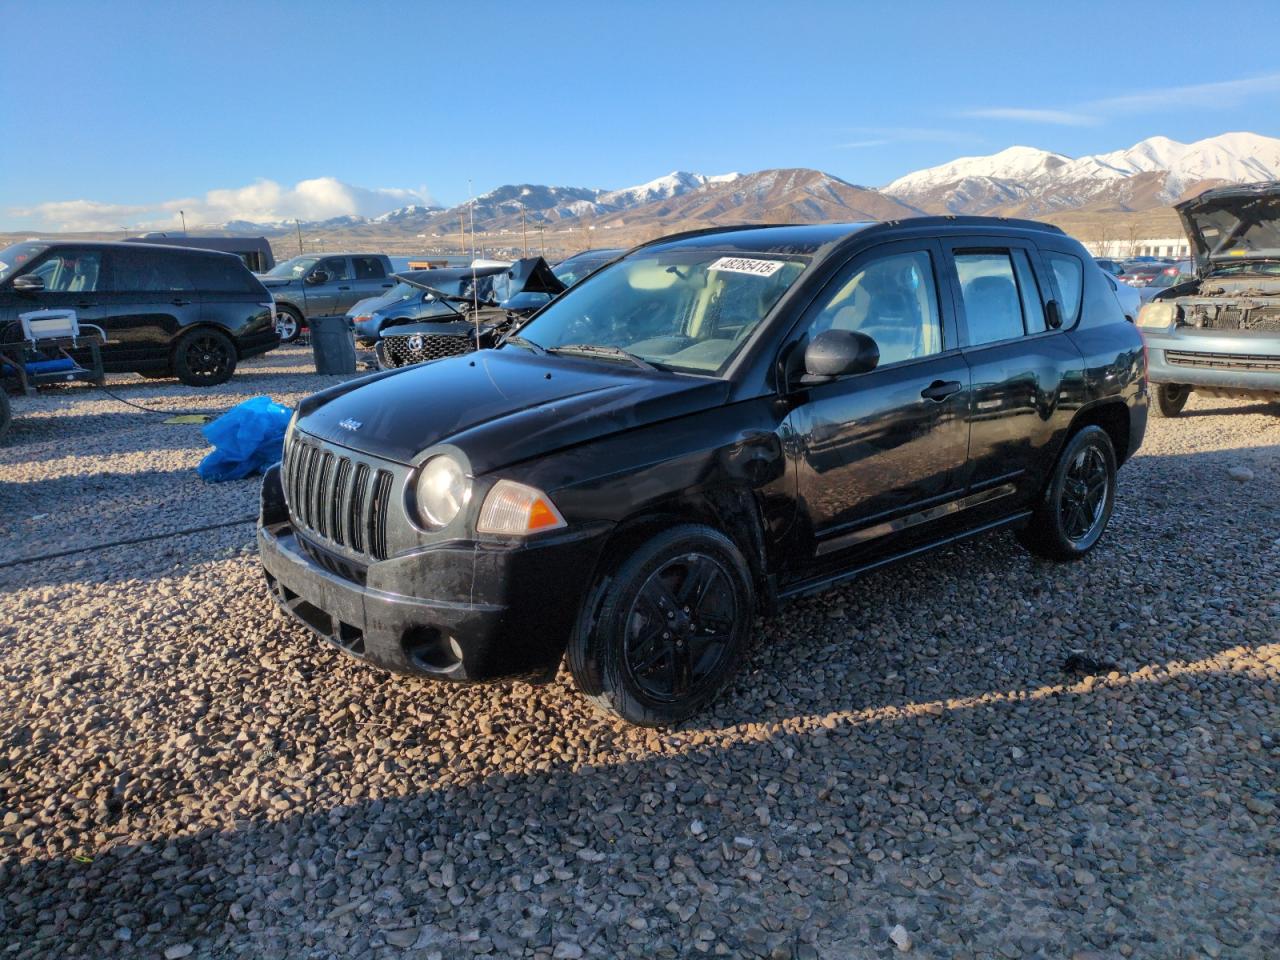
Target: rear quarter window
222,275
1069,272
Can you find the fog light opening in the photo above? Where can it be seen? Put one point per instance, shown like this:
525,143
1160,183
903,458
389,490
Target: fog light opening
427,649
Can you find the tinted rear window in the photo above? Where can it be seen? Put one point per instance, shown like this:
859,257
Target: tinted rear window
222,275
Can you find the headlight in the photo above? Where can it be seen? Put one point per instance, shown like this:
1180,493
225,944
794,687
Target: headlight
442,490
1158,314
514,509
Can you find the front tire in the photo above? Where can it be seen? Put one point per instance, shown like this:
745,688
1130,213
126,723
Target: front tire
1076,506
673,627
288,323
1168,399
204,358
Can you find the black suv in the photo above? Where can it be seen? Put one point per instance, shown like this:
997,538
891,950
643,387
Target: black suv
717,421
166,311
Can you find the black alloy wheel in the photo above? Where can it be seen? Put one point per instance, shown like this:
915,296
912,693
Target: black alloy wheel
204,358
666,626
680,627
1084,494
1075,507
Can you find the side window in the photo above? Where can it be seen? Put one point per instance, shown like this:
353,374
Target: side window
145,271
368,268
336,267
1069,272
892,299
72,271
989,288
219,275
1030,293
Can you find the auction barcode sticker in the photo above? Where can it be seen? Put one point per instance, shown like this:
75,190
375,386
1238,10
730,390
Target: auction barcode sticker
757,268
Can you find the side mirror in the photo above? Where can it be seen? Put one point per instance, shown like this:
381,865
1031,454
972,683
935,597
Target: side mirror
28,283
838,353
318,276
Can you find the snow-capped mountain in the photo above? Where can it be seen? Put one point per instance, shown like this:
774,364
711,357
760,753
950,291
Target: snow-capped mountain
674,184
1027,181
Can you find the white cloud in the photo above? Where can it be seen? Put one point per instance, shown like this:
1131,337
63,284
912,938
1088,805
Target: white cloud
1216,94
264,201
1063,118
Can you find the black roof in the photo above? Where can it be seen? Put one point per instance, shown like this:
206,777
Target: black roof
131,246
810,238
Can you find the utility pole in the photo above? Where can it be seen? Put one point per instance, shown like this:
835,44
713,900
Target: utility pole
462,235
183,215
524,229
299,228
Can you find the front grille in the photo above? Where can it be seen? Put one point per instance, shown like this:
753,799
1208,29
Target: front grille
337,499
402,350
1236,318
1233,361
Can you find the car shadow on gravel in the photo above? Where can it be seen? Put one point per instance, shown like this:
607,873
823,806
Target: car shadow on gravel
1036,813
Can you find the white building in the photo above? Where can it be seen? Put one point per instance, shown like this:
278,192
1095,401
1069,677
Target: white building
1176,247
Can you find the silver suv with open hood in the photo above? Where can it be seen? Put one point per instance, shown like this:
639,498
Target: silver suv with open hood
1219,333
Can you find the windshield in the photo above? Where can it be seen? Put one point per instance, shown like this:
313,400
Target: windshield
293,269
14,259
686,309
574,269
403,291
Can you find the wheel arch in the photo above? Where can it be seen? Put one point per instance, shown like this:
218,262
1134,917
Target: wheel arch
729,508
1112,415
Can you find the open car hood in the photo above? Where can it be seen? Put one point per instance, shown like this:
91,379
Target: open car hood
1232,224
530,275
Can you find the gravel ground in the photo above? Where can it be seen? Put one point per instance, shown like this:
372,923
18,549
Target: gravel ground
905,768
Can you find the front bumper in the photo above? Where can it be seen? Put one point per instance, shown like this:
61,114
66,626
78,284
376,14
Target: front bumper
1246,361
461,610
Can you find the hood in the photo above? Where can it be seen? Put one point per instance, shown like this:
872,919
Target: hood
1232,224
502,406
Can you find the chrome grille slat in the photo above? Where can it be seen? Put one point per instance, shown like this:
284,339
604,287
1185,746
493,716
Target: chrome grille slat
338,498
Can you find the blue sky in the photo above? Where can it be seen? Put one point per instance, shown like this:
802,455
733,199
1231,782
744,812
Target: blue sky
317,107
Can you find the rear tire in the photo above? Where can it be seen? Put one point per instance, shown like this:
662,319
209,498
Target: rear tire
673,627
1077,502
6,414
288,323
204,358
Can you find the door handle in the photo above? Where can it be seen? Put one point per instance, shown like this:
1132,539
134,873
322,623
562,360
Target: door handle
386,286
83,304
344,288
939,390
179,302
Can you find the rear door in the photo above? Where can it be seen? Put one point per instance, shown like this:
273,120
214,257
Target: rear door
369,279
883,452
155,298
1023,367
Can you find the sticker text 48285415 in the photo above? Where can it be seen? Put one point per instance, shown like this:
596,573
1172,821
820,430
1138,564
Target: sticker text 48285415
756,268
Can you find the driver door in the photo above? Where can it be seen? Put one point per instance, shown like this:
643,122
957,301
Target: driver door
323,299
877,452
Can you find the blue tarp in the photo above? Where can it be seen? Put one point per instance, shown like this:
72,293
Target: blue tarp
246,440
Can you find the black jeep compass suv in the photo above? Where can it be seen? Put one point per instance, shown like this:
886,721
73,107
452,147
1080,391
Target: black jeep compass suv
715,422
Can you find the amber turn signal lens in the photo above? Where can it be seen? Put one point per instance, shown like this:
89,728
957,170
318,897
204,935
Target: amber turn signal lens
514,509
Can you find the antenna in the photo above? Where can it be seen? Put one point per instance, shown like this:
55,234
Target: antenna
475,286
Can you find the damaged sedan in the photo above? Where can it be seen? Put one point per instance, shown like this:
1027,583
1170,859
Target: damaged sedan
712,424
1218,333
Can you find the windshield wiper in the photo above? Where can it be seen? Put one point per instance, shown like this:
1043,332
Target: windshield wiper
520,341
601,350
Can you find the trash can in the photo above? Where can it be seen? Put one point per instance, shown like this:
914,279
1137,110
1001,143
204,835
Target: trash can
332,344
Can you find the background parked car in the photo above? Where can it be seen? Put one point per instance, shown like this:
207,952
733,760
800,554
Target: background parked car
413,299
324,285
166,311
1217,332
254,251
576,268
1113,267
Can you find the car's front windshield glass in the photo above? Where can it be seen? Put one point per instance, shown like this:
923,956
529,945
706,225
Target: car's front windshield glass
686,309
574,269
403,291
15,259
293,269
